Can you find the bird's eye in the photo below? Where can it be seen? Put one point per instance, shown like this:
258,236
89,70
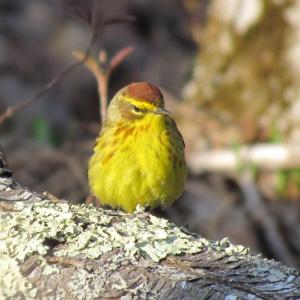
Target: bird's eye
137,110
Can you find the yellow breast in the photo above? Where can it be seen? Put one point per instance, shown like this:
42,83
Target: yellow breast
138,163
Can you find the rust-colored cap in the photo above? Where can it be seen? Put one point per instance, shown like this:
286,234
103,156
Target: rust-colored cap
144,91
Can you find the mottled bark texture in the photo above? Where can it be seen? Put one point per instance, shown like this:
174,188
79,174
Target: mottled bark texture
55,250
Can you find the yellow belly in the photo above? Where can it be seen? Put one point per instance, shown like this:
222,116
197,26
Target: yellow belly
142,165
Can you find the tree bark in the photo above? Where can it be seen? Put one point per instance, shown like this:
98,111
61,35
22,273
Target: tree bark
55,250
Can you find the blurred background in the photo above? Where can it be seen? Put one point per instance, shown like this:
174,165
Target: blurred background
230,73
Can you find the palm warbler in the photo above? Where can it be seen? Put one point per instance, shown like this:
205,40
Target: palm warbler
139,155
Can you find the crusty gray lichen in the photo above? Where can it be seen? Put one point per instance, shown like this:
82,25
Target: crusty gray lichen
89,231
12,281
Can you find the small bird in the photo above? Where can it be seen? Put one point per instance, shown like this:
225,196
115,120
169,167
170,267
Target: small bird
139,155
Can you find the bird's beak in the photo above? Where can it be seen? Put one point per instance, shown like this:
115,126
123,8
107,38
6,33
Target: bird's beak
162,111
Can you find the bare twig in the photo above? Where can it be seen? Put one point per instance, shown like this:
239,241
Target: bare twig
119,19
103,82
11,110
102,70
91,21
259,213
88,13
119,57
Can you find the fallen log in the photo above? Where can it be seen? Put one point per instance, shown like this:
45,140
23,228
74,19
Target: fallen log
55,250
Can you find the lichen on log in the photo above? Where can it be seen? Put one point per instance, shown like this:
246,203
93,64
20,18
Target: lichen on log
59,250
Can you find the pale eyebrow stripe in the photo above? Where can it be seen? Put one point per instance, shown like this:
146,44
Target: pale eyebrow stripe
139,102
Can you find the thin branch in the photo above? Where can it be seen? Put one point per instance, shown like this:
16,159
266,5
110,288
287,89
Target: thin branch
101,77
118,20
266,156
259,213
90,62
119,57
102,71
102,82
11,110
